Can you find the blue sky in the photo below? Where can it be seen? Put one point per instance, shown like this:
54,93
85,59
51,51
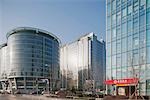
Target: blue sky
68,19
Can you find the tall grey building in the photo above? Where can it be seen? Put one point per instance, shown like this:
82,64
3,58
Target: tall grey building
29,57
82,63
128,45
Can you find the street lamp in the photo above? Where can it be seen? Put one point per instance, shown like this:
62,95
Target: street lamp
48,80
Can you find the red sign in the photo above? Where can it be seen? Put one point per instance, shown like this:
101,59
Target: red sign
122,81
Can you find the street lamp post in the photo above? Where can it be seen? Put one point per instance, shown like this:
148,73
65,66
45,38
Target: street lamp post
49,80
37,86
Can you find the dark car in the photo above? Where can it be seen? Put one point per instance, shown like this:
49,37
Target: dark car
36,92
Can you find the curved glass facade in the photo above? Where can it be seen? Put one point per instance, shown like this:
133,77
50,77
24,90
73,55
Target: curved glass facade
33,56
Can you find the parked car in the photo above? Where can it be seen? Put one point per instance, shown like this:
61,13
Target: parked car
36,92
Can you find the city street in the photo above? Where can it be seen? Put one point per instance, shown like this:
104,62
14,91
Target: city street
26,97
32,97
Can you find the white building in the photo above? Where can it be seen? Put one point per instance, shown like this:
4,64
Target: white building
82,61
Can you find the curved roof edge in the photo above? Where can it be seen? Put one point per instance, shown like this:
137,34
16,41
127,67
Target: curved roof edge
32,29
3,45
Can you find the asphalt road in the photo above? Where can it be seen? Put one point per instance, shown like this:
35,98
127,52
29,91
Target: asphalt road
26,97
32,97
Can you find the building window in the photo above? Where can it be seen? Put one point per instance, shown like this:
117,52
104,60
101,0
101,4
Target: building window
130,25
129,9
119,46
148,37
108,49
108,22
118,3
113,33
124,1
130,72
135,8
148,17
148,73
109,62
118,32
143,2
129,58
142,55
135,41
119,60
124,72
118,18
113,19
142,20
108,9
129,43
113,47
148,54
147,3
108,36
124,59
135,24
124,12
135,57
108,73
124,29
119,73
114,74
124,44
142,39
114,61
113,5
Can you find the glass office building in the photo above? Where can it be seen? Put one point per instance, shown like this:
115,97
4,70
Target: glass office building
128,42
32,56
82,63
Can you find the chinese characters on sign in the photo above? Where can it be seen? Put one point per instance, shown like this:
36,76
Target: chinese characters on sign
122,81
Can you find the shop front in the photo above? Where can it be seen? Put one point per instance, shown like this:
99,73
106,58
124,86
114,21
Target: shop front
126,87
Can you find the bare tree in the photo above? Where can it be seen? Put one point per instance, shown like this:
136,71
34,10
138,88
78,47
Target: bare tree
136,74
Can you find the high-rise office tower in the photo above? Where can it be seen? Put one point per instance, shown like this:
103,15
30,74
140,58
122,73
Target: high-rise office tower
128,46
82,63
